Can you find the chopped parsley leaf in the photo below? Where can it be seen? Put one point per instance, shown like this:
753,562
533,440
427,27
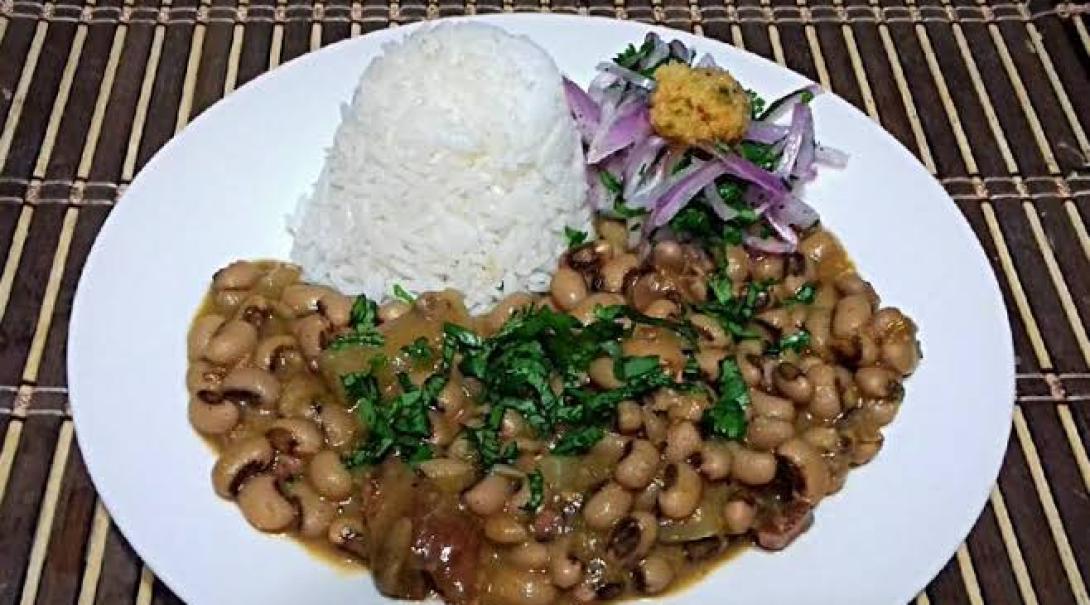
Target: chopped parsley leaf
578,441
574,236
537,491
403,294
804,295
361,319
727,417
419,350
797,342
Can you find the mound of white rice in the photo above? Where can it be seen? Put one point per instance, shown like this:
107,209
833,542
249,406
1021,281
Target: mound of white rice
457,165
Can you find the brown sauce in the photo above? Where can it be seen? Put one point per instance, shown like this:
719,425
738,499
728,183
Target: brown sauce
272,391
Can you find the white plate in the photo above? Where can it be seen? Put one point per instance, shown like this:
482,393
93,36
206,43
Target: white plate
220,190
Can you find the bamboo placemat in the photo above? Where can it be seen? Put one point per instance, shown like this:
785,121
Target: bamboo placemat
994,98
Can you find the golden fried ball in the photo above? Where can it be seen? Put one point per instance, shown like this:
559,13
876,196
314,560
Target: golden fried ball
693,105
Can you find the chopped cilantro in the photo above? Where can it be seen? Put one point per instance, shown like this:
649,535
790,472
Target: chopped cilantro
487,443
804,295
361,320
720,285
578,441
574,237
797,342
419,350
403,294
536,482
756,104
727,417
610,182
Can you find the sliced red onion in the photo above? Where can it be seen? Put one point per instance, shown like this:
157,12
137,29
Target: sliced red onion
585,111
717,203
804,165
764,132
788,101
660,51
830,156
679,51
675,199
707,61
629,76
606,90
801,121
795,212
639,162
598,197
630,124
742,168
769,245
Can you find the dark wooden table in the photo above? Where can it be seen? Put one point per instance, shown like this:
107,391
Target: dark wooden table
993,97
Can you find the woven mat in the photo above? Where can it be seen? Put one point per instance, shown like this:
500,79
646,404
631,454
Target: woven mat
993,98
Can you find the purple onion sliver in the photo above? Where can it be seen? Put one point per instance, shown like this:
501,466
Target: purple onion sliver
630,124
788,101
639,162
795,139
830,156
763,132
795,212
771,246
680,194
717,203
707,61
583,109
632,77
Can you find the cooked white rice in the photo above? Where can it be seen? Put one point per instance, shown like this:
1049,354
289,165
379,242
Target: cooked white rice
457,165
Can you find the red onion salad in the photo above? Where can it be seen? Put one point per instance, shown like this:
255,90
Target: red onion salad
745,193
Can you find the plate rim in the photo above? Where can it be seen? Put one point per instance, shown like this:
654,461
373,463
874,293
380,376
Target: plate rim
924,575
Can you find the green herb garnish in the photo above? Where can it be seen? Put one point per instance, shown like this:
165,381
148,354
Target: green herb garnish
403,294
727,417
804,295
536,482
362,320
419,350
575,237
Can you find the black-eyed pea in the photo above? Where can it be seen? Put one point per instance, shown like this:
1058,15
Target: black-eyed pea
752,467
616,272
601,374
328,475
529,555
488,496
738,516
607,506
662,308
201,333
632,537
791,382
765,433
764,404
392,310
233,340
503,528
568,288
629,417
874,381
709,361
638,466
710,332
851,313
682,441
653,575
564,571
682,489
264,506
715,460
